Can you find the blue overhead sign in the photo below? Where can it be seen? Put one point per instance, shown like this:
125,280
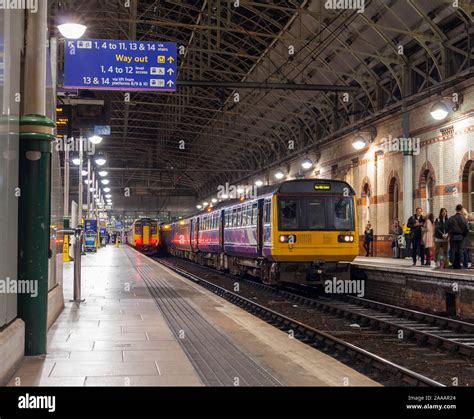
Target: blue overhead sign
120,65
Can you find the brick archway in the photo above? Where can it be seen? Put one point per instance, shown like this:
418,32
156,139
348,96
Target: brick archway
467,163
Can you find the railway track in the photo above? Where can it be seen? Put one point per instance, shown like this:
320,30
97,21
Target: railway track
346,352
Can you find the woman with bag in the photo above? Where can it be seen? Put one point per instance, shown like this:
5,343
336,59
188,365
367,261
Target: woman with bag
427,237
441,239
397,231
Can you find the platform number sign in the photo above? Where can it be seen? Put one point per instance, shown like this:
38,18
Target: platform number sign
120,65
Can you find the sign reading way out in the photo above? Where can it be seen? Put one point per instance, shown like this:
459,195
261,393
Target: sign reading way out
120,65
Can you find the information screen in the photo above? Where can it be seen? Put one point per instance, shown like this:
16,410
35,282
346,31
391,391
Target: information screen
120,65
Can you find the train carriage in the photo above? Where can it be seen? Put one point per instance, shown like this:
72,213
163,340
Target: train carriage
300,231
143,235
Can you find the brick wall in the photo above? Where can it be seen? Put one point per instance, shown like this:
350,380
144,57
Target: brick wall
446,148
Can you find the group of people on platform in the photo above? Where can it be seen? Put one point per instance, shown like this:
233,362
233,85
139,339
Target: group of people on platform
444,240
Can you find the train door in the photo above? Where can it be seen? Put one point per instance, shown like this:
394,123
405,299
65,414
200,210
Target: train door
192,233
146,234
259,227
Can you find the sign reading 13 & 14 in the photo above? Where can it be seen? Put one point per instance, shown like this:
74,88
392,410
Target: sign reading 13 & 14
120,65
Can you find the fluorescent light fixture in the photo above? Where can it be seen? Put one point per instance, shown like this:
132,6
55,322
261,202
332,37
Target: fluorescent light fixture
72,30
439,111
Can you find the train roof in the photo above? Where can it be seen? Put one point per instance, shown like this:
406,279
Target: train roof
329,186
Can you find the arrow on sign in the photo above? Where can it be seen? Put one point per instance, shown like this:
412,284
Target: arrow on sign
170,59
169,83
170,71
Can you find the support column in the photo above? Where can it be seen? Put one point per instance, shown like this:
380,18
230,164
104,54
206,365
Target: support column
36,135
407,169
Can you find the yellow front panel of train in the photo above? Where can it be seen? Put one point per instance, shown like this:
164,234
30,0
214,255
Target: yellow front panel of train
309,246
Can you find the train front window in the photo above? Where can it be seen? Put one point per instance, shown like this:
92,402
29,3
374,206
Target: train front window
289,219
315,213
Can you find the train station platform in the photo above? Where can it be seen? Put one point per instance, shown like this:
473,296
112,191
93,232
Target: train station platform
144,325
397,282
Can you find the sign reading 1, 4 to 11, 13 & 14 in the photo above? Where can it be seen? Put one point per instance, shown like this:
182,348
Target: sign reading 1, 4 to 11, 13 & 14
120,65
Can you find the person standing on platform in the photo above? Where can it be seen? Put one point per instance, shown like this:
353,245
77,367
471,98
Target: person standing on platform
466,242
397,231
428,238
415,224
407,234
441,239
458,230
368,239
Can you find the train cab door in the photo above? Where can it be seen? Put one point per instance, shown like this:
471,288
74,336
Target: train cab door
259,227
146,234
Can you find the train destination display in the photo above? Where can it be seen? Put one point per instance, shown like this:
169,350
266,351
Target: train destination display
120,65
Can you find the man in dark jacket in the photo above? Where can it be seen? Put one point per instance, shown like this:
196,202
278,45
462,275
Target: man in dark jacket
458,229
415,223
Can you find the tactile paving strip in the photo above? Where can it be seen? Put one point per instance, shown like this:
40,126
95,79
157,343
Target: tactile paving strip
218,361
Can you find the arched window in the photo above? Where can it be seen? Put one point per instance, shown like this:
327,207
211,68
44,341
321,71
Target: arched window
366,197
429,189
470,186
394,200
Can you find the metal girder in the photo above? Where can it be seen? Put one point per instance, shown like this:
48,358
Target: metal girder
245,49
266,85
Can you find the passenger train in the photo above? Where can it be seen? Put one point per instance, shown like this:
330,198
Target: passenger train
298,231
143,235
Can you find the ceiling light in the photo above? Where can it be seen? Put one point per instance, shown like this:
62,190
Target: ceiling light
85,181
76,161
439,111
72,30
84,173
103,173
205,204
306,164
95,139
279,174
105,181
240,191
106,190
359,142
214,200
100,160
108,196
225,196
199,207
258,183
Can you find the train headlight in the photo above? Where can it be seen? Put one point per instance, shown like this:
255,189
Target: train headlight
345,238
287,238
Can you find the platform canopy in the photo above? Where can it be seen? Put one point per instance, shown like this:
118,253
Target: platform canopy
391,50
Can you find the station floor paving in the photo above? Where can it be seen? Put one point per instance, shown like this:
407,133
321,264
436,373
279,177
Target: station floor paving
144,325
